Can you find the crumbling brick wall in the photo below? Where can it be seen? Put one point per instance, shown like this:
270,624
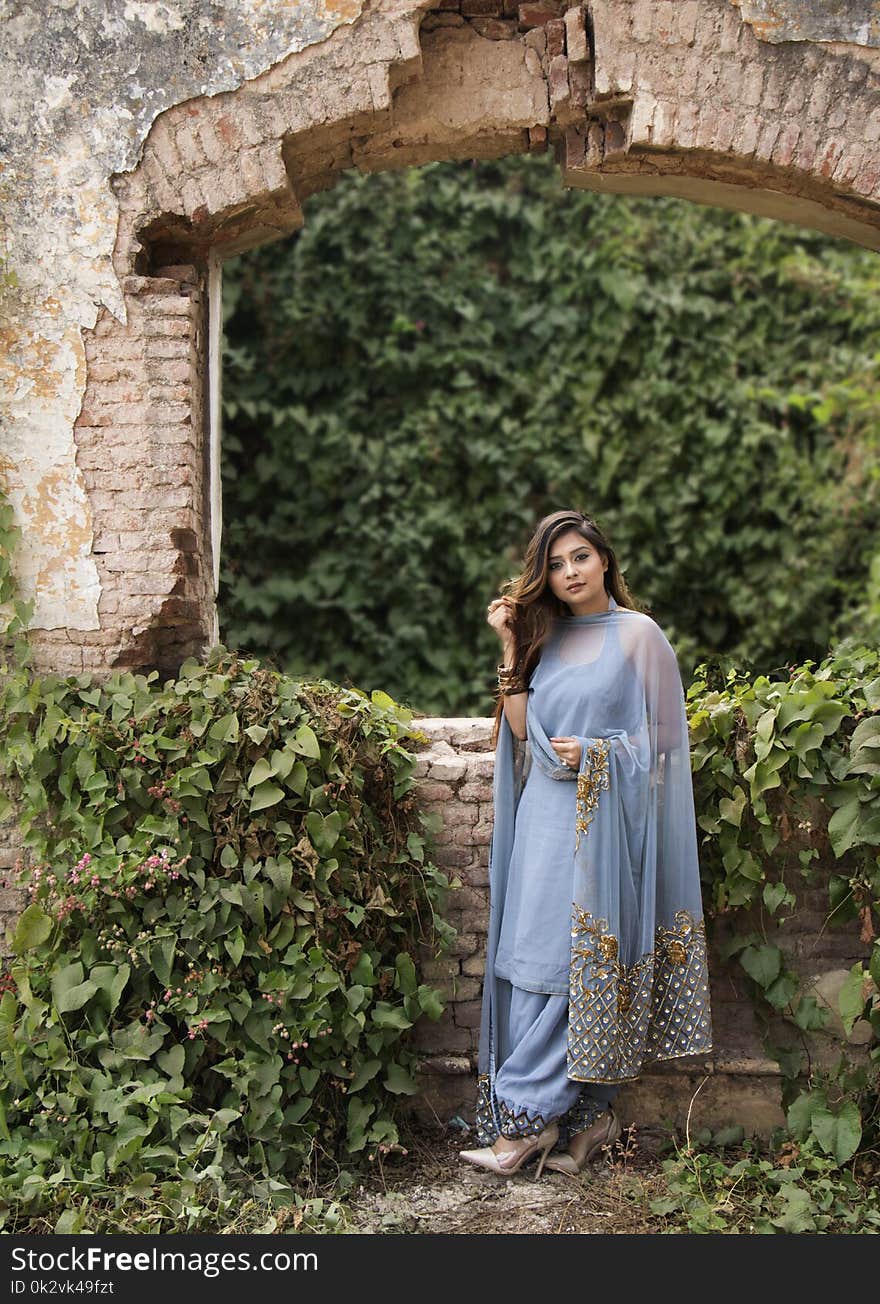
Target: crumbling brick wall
214,138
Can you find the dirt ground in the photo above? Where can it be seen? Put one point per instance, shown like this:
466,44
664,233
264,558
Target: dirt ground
430,1189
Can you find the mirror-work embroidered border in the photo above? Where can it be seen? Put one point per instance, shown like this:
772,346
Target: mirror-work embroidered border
492,1113
623,1016
494,1117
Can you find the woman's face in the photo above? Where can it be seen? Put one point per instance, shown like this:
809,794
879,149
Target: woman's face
576,574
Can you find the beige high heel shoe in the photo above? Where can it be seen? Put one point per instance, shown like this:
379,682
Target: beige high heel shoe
603,1132
511,1161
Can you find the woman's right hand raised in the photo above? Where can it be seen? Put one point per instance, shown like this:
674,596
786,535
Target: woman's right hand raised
500,616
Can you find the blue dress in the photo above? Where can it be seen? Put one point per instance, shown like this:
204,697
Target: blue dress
535,942
596,950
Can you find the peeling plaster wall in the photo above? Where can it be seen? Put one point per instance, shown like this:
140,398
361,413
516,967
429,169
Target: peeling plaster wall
81,82
856,22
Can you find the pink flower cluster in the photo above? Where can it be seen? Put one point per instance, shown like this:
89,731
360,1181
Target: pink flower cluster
162,793
80,868
85,885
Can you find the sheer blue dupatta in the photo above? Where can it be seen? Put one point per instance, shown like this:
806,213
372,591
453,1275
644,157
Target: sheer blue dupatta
638,977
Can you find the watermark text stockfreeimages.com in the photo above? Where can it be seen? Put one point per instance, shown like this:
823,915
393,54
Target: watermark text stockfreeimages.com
210,1263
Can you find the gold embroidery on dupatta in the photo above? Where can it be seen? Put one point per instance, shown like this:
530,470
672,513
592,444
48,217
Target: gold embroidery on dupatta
592,780
623,1016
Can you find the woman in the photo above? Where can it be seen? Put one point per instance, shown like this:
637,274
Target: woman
596,955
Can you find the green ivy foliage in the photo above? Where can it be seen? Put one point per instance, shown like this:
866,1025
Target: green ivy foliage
799,1190
215,976
787,771
444,354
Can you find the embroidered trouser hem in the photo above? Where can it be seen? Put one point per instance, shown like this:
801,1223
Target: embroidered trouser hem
496,1117
531,1087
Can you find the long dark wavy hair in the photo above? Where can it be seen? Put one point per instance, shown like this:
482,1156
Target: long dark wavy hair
535,605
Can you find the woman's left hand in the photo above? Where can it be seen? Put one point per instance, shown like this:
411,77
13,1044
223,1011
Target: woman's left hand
568,750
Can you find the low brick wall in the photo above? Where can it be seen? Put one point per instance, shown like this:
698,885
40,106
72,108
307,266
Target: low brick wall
735,1083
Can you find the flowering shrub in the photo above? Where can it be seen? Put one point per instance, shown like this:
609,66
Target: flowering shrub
228,896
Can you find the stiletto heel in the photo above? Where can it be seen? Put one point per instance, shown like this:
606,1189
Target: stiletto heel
544,1153
566,1162
541,1145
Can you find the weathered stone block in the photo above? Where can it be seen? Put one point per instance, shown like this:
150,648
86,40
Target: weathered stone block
467,1013
576,45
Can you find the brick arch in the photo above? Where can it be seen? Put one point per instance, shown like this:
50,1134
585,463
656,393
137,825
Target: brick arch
642,97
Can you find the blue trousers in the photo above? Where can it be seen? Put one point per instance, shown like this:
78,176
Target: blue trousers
531,1088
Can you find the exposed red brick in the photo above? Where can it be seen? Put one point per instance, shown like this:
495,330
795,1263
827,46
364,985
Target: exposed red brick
555,33
539,13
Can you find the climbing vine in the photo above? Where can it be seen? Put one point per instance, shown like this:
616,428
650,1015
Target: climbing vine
785,781
230,894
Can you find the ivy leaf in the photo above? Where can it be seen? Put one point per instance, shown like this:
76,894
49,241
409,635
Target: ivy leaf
265,795
363,971
323,830
781,992
69,989
282,762
829,715
406,981
797,1215
774,895
234,947
764,727
32,929
359,1114
280,872
399,1082
162,958
111,979
809,1015
851,1001
356,997
806,738
172,1061
225,730
866,734
843,827
305,741
430,1001
389,1016
838,1134
762,963
364,1073
260,772
731,808
308,1079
